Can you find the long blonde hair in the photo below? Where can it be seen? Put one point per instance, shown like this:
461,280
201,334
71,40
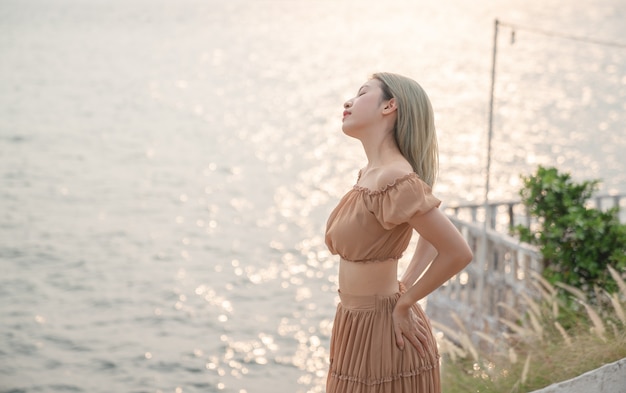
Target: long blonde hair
414,130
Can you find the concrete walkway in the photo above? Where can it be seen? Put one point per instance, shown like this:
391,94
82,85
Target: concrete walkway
610,378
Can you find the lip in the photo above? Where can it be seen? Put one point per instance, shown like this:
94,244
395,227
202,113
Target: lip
345,113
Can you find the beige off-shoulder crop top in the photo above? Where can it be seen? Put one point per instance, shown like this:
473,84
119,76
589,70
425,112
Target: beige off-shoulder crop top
371,225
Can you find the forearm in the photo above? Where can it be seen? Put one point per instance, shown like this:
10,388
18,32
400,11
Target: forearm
453,254
442,268
423,256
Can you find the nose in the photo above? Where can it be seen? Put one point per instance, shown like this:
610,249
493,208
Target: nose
347,104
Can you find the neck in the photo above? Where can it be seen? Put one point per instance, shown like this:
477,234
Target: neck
380,151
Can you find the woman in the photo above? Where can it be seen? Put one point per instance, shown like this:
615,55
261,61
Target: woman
381,339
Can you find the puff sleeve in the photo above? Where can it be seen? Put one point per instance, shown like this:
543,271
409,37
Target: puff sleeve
407,197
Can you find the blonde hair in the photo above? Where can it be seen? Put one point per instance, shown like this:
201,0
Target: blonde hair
414,130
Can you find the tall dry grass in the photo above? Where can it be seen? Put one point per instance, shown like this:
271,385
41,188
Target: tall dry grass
555,339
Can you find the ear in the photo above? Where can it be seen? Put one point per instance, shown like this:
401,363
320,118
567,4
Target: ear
390,107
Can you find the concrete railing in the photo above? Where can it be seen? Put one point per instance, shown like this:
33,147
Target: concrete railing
496,283
505,215
485,292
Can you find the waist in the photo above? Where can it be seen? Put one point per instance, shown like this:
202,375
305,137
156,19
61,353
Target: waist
368,302
368,279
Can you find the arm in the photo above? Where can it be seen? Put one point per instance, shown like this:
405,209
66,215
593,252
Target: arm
423,256
453,254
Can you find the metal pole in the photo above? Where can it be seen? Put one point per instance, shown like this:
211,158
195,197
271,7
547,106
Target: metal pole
483,249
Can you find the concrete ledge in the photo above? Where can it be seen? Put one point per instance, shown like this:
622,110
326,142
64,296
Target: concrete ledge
610,378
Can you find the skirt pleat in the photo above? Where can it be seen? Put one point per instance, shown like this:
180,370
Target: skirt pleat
364,357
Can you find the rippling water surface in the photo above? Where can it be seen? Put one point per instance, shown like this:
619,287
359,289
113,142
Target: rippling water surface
167,168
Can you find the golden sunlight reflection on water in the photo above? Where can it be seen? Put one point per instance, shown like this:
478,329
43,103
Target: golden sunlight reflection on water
165,208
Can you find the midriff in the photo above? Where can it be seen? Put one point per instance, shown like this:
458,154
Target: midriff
368,278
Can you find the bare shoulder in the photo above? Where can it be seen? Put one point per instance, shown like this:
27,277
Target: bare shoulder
392,172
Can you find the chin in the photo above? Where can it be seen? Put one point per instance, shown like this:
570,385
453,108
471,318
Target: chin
347,131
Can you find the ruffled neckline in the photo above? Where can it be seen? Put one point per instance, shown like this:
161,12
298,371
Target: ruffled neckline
386,188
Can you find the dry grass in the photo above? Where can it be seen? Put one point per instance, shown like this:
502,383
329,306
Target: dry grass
551,342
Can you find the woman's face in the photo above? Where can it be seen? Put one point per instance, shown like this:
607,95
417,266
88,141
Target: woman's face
365,109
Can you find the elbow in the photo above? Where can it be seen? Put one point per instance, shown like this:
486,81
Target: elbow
468,257
464,256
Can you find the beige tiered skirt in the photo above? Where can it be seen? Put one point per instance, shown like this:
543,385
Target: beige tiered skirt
364,357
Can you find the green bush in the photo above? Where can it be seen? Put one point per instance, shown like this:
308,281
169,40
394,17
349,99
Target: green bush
577,243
